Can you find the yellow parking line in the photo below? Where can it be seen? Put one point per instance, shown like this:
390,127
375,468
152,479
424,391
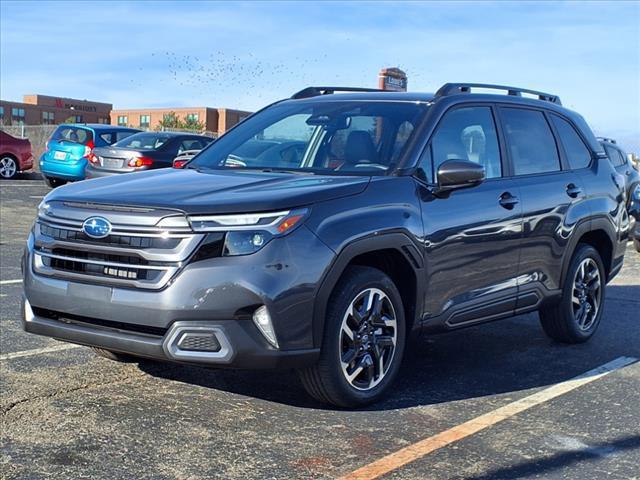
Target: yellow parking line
418,450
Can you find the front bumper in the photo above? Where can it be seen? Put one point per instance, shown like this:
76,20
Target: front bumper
238,348
217,295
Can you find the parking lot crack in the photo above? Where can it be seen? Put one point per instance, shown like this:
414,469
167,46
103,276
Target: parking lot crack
6,411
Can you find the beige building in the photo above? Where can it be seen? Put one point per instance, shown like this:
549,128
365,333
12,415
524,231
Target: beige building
47,110
217,120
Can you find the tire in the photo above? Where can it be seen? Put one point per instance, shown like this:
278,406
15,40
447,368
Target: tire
8,167
54,182
115,356
636,244
374,341
576,317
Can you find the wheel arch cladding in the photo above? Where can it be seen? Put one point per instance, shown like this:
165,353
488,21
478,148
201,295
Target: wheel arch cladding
600,238
394,254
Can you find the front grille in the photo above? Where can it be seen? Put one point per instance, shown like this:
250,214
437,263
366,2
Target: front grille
112,240
99,270
141,256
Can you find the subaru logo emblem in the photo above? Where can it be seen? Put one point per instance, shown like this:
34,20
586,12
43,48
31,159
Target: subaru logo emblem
96,227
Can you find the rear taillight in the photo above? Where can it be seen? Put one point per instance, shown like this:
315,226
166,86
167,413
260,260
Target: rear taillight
179,163
88,152
140,162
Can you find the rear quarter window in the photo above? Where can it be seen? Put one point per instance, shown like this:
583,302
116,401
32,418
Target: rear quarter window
577,152
614,155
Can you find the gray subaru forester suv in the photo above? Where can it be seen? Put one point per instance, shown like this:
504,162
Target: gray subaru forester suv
326,229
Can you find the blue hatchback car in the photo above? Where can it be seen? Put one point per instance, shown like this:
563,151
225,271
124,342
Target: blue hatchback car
71,146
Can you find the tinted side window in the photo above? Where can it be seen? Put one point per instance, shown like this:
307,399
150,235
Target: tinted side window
623,157
191,145
467,134
108,138
123,135
578,154
425,168
612,153
530,141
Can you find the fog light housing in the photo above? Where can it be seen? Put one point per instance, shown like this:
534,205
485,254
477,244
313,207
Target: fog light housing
262,319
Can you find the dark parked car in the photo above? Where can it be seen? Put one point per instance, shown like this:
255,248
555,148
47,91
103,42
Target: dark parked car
634,213
15,155
405,214
622,163
143,151
71,147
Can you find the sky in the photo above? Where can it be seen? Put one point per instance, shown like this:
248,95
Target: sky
245,55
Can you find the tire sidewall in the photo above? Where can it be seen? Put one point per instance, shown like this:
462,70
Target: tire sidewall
583,252
363,278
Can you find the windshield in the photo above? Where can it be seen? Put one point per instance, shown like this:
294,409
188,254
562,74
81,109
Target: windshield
72,134
144,141
341,137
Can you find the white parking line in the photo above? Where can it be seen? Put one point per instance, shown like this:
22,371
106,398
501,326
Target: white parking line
38,351
417,450
10,282
22,184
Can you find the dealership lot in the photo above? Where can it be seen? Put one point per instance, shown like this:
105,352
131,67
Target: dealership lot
69,414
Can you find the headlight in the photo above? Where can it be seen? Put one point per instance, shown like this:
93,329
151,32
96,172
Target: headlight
248,233
245,242
43,208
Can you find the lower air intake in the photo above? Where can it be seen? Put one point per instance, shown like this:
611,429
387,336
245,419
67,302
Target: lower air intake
199,342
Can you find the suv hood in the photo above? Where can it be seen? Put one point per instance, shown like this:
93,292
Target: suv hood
220,191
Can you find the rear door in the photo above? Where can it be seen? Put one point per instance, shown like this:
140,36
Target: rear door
553,199
472,235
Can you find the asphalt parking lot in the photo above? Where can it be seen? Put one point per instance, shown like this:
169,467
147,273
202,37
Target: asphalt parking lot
491,402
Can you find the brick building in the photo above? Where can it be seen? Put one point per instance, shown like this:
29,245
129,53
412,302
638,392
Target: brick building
46,110
214,119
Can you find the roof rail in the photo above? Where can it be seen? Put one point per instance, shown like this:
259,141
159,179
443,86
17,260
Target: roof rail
453,88
315,91
605,139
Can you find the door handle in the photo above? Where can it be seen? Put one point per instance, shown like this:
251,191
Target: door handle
508,201
573,191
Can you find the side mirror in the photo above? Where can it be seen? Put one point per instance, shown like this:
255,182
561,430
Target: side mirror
455,174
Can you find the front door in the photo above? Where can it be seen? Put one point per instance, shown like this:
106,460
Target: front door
472,237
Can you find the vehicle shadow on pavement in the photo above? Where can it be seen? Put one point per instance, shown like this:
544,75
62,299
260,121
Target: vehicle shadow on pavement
496,358
545,466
